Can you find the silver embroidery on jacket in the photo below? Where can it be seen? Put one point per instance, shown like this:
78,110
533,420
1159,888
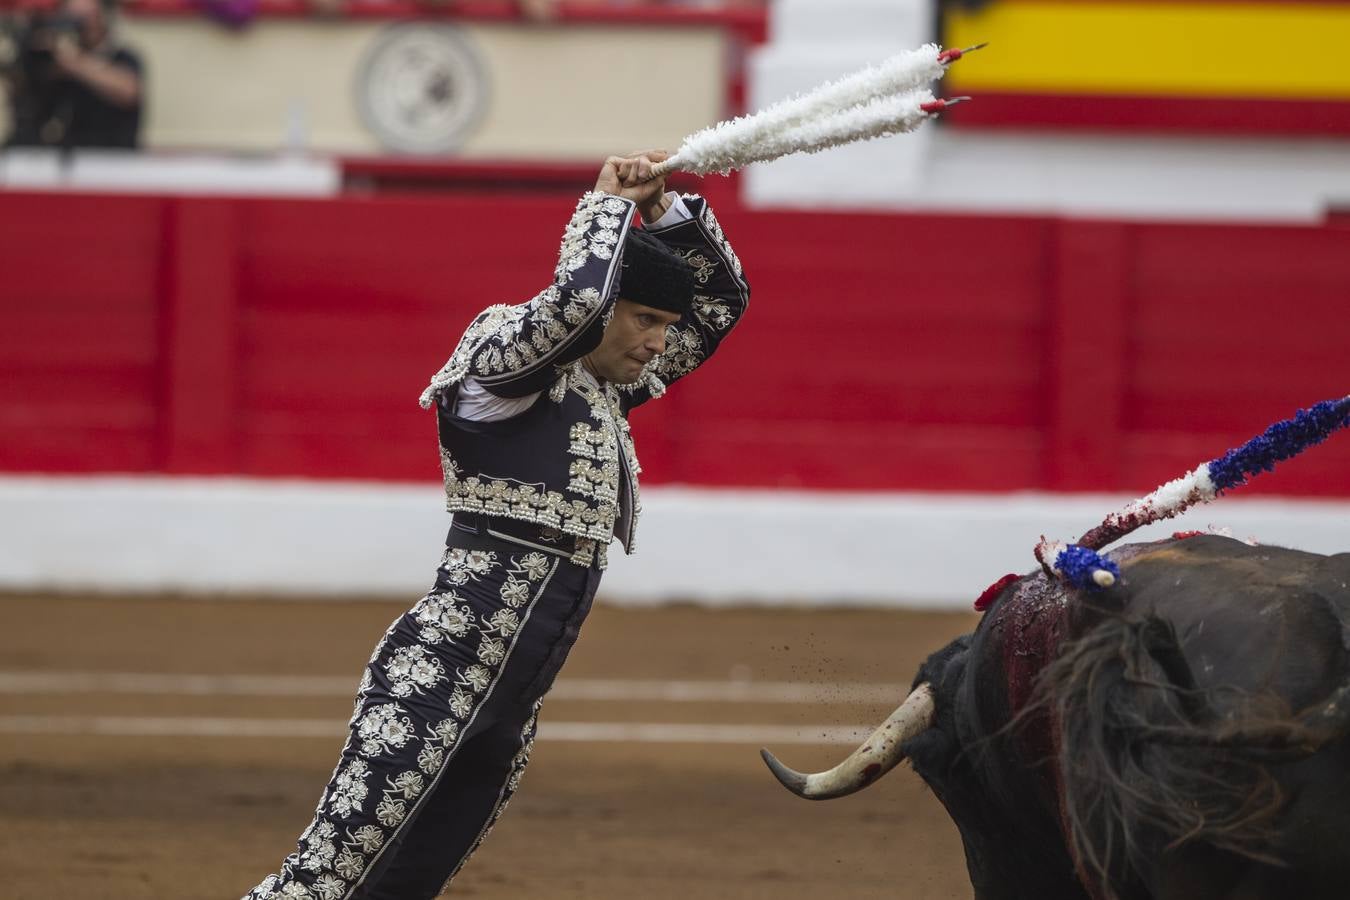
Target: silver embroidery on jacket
599,450
493,345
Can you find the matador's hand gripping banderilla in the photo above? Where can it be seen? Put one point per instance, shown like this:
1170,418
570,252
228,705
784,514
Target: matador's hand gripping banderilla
878,101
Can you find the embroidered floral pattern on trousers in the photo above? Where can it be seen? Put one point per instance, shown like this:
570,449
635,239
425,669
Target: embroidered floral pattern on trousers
445,673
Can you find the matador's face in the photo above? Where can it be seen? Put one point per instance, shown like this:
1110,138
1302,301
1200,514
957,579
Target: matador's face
635,335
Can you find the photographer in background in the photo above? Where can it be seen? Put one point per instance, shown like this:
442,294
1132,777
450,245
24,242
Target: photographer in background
72,85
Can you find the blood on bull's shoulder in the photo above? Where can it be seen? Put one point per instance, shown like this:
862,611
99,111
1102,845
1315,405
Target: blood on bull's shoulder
1184,734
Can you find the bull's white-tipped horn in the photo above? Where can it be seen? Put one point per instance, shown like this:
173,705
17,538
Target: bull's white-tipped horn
875,757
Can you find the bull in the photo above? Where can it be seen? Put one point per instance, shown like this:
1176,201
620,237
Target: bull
1184,734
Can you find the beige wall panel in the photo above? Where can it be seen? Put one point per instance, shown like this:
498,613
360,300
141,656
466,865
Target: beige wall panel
217,89
579,92
574,92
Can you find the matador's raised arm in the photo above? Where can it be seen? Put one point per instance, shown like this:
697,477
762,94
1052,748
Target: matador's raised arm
515,351
721,296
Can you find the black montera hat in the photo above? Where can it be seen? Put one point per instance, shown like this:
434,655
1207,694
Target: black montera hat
654,275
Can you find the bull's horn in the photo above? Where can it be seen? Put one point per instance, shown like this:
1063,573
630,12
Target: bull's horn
878,754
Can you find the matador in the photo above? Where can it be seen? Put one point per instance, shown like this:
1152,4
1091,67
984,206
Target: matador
540,475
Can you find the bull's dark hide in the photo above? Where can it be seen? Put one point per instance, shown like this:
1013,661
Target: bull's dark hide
1182,735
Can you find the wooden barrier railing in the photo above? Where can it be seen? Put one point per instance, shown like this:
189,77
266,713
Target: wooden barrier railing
273,337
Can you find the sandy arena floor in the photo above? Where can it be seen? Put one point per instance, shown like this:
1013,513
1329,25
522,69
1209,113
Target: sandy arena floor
152,813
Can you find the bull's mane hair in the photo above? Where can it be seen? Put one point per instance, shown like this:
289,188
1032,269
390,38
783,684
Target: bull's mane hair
1149,762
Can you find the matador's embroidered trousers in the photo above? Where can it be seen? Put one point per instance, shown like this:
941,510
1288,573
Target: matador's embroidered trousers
444,721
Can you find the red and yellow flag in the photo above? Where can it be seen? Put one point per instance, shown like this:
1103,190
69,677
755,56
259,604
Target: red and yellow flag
1248,65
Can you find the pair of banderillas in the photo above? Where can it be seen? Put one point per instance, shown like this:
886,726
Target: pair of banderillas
892,97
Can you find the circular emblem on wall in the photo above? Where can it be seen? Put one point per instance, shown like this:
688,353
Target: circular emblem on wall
422,88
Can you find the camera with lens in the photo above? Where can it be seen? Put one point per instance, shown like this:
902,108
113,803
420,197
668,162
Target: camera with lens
38,40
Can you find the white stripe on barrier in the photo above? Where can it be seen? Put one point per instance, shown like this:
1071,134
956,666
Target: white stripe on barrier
768,547
583,732
594,689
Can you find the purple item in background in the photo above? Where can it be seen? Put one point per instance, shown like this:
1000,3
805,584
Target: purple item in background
234,13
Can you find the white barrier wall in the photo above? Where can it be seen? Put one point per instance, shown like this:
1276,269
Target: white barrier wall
130,172
710,546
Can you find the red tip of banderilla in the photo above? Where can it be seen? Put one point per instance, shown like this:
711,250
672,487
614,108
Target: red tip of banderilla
938,106
952,54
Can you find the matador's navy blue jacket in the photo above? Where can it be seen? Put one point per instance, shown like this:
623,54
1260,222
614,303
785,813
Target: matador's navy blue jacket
568,462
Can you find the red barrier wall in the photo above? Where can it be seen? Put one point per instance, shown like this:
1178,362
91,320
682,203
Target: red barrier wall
269,337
